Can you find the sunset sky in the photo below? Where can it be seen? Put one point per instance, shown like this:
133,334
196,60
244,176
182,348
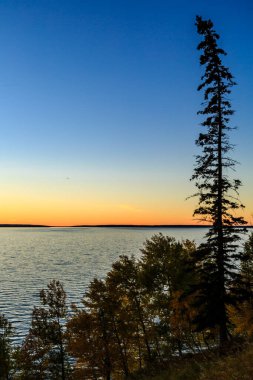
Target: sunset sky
98,106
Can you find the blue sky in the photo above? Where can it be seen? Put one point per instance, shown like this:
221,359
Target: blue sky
98,107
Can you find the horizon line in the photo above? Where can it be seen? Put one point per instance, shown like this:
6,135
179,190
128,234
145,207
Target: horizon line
116,225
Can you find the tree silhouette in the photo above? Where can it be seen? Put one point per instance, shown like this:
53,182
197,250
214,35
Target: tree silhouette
217,191
43,353
6,332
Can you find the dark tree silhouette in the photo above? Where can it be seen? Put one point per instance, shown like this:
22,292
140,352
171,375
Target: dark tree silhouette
6,332
217,191
43,353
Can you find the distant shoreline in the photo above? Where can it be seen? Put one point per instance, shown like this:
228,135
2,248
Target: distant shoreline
115,226
23,225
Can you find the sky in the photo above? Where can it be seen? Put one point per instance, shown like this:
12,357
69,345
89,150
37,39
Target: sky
98,108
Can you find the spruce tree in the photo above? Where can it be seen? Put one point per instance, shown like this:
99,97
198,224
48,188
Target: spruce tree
217,190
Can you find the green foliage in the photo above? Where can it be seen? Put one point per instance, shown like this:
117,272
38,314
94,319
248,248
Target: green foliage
168,274
166,264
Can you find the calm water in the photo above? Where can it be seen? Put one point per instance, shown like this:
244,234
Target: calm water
31,257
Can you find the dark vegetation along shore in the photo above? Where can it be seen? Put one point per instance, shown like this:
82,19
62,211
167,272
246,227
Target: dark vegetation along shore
141,321
179,312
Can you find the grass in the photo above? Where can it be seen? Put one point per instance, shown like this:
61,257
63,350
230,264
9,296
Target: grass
236,366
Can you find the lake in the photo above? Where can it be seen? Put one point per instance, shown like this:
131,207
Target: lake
31,257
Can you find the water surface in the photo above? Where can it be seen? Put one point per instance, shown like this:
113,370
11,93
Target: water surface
31,257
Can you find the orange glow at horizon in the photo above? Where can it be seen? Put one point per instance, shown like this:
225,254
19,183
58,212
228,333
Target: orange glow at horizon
82,214
75,212
58,207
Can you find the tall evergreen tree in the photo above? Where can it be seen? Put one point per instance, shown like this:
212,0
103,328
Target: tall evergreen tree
217,191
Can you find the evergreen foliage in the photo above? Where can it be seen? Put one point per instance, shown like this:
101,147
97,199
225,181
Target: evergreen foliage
217,258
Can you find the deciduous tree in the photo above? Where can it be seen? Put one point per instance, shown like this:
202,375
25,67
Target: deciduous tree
6,362
43,354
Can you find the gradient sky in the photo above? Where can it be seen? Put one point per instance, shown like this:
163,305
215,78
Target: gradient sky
98,107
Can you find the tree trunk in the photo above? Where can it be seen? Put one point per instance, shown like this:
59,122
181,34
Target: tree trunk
223,333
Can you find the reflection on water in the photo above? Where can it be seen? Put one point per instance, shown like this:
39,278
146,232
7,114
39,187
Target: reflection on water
31,257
